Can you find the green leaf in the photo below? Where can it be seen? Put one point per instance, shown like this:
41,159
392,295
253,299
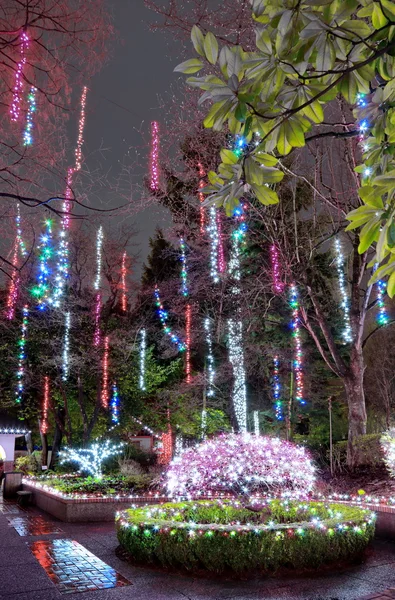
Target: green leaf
368,235
197,38
391,236
391,285
271,175
265,195
283,146
386,181
241,112
314,112
378,18
263,41
193,65
326,55
355,26
295,134
228,157
211,48
388,8
371,196
265,159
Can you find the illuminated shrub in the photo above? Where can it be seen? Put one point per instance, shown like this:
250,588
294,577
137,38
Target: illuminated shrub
388,446
240,463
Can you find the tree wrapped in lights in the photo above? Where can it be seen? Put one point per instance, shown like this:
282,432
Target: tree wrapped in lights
387,442
90,460
240,463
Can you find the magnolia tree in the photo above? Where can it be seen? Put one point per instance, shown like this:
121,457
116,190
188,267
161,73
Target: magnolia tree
240,463
309,58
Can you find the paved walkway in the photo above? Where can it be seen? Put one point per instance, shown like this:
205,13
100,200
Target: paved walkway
26,556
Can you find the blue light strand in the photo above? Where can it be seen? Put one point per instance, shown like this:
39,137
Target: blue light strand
22,356
27,134
163,316
42,289
184,270
278,405
382,317
114,404
364,130
143,352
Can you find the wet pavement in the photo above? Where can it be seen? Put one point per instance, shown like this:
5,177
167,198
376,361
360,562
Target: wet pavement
50,558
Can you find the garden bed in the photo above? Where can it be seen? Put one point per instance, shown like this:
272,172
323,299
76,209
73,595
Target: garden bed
223,536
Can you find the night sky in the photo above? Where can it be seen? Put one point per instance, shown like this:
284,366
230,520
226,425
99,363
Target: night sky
138,71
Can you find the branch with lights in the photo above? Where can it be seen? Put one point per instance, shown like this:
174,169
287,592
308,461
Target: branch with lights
20,374
163,316
154,183
298,355
344,302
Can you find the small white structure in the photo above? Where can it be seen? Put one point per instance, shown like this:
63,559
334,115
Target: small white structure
10,429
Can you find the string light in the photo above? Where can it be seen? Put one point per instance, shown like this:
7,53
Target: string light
278,405
256,422
201,198
167,445
382,317
163,316
97,333
96,285
221,255
147,429
41,290
143,351
204,423
14,285
81,125
20,374
236,358
15,109
104,390
188,319
90,460
115,404
297,363
44,421
154,156
210,358
19,238
124,303
344,302
278,285
178,444
364,130
66,346
212,230
27,134
184,273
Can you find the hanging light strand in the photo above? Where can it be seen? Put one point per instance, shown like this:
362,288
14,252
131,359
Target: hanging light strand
81,126
188,321
212,230
221,254
298,356
344,299
66,347
184,270
143,352
41,290
278,285
115,404
104,390
210,358
278,406
20,374
201,198
31,102
154,156
14,285
44,420
256,422
124,302
16,105
163,316
382,317
96,285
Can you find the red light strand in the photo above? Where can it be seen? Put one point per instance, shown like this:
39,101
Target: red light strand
154,156
44,421
104,391
201,199
14,285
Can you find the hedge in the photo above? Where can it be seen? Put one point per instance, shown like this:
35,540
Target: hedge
225,536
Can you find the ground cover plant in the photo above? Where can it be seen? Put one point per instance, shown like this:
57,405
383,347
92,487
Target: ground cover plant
225,536
108,485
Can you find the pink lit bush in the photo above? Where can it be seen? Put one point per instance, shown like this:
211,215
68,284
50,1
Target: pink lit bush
240,463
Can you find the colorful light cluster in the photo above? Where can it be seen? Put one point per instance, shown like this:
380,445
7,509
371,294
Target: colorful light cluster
212,230
188,321
16,105
90,460
66,347
143,352
31,109
344,303
44,420
20,374
41,290
278,285
184,271
114,405
255,416
124,300
278,405
236,358
81,125
201,198
154,156
163,316
210,358
297,362
104,387
240,463
364,130
382,317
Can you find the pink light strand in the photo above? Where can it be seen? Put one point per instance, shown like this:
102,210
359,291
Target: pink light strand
97,334
104,390
44,422
221,255
188,321
15,109
154,156
123,283
81,125
14,284
201,199
278,285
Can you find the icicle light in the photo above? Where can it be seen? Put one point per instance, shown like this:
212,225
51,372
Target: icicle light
382,317
344,300
66,347
143,351
81,126
210,359
41,291
212,230
16,105
20,374
31,100
154,156
298,356
114,404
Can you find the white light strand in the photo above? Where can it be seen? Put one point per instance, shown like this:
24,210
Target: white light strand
143,351
210,358
204,423
90,460
256,422
344,302
99,244
236,358
27,134
66,346
212,230
178,445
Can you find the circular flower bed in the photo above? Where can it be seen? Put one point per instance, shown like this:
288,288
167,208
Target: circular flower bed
240,463
227,536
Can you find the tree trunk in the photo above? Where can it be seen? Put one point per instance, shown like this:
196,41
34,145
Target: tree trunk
44,445
57,438
29,442
353,383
